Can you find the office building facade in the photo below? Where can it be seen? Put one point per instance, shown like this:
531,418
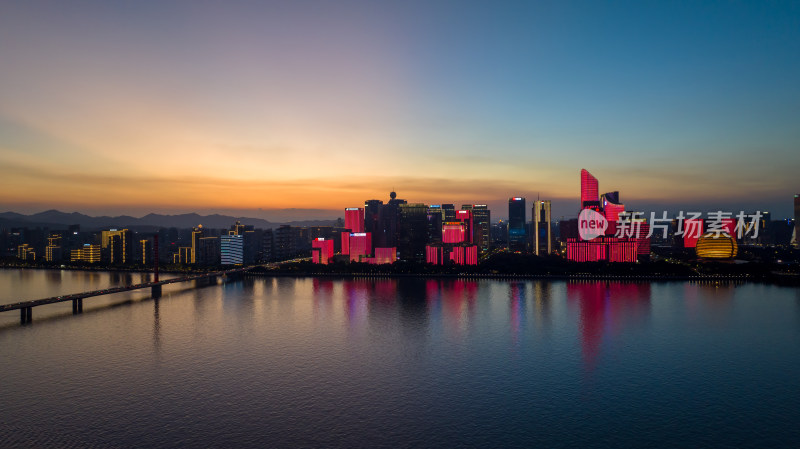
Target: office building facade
541,228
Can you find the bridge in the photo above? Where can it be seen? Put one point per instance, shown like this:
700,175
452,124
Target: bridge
26,307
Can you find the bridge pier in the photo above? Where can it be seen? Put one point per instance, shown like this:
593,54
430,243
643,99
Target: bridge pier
25,315
77,306
156,291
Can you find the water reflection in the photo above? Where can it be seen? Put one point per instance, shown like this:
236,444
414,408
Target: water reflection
543,302
516,293
53,276
606,309
156,329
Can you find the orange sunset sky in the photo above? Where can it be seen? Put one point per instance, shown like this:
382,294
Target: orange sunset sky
297,110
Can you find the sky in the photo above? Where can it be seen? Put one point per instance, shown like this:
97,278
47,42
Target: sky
298,109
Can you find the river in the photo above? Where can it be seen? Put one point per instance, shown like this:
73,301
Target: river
410,362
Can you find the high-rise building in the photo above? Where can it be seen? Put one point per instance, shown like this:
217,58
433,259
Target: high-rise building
26,252
146,248
117,245
53,250
630,247
231,249
481,231
208,253
589,190
354,219
382,220
435,220
517,235
453,232
541,227
285,242
183,256
611,206
197,234
87,253
360,246
355,223
465,217
268,246
372,217
412,231
321,250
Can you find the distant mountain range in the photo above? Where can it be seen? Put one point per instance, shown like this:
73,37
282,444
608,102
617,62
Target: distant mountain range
54,219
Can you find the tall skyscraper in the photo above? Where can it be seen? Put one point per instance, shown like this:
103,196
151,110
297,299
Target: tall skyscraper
517,237
435,220
354,219
231,249
382,220
53,249
589,190
197,234
412,231
542,231
481,219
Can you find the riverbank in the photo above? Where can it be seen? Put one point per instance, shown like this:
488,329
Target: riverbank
654,271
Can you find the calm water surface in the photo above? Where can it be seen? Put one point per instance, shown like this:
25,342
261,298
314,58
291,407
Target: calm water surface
400,363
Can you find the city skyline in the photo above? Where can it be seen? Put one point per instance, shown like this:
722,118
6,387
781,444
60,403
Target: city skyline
297,111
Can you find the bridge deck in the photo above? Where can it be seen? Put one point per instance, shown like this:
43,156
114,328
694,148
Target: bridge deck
107,291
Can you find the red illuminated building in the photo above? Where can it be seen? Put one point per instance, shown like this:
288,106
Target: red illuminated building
434,255
322,251
453,232
589,190
692,231
354,219
642,241
625,248
464,255
345,243
384,255
612,249
360,245
461,254
465,217
611,206
456,246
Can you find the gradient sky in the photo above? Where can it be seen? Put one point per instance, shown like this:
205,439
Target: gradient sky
300,108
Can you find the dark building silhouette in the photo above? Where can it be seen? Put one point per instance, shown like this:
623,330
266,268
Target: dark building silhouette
481,232
797,221
435,219
374,221
517,235
412,231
